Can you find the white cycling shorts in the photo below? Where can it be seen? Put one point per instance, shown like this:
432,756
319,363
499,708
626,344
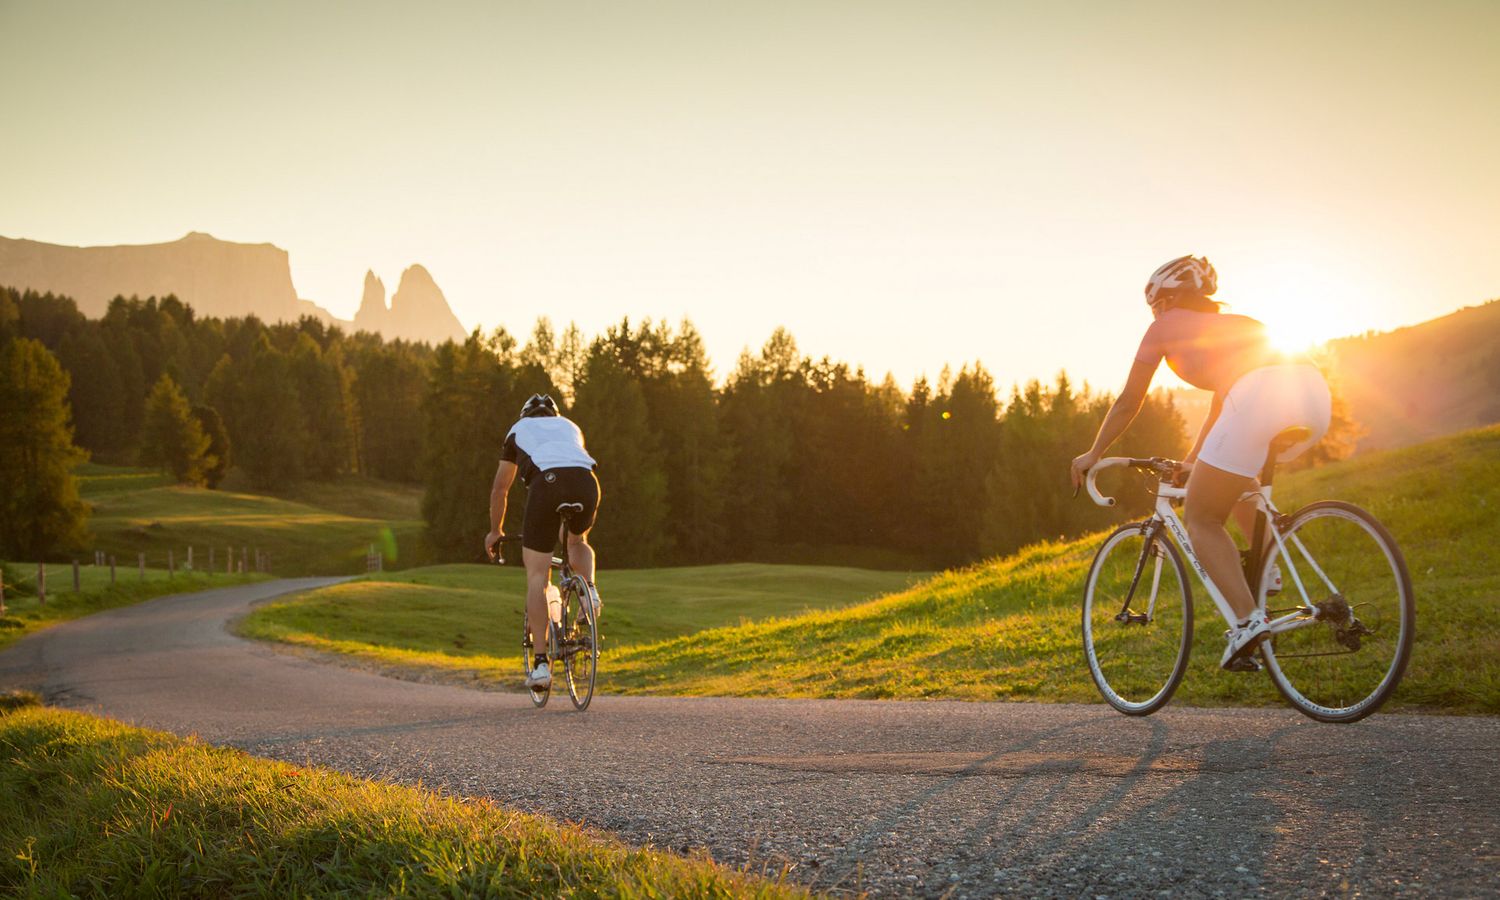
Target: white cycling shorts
1263,403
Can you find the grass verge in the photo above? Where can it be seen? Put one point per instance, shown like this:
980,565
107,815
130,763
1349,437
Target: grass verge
24,614
468,618
96,807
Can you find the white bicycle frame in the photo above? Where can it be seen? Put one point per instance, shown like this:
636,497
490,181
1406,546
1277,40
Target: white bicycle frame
1165,494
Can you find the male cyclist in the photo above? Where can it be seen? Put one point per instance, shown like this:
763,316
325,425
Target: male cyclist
547,449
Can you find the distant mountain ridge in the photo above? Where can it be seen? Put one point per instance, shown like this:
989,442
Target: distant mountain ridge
217,278
418,309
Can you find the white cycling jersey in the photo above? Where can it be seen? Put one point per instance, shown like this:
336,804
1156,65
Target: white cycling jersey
538,443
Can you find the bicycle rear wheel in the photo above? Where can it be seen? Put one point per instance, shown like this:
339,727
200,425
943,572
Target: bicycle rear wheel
528,662
1348,658
581,641
1137,620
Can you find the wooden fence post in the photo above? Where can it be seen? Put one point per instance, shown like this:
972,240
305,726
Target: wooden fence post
171,563
111,570
2,592
229,564
75,576
210,559
41,584
190,556
140,561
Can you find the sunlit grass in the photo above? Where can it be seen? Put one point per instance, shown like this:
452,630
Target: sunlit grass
1005,629
469,617
94,807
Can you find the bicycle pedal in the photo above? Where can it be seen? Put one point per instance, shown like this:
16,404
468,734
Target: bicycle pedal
1243,664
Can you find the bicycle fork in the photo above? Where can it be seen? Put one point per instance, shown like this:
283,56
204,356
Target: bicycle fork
1152,530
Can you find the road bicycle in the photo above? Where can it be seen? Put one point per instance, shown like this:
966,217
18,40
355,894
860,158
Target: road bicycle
1330,579
572,632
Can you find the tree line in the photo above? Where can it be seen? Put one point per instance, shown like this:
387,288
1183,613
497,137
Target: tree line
786,458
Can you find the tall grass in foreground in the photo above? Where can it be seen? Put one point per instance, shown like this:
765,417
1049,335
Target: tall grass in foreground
93,807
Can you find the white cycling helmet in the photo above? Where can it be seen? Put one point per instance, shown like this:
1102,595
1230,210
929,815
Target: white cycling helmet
1186,275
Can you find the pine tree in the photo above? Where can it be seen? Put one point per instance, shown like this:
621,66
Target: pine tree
218,444
474,394
40,513
173,438
611,410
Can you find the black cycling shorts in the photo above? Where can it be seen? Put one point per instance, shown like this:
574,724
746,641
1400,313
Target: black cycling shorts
539,528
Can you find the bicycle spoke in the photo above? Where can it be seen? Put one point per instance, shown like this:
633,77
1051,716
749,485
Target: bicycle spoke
1136,658
1342,664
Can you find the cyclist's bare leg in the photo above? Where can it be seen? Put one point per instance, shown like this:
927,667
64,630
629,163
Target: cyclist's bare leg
1211,496
538,573
1245,514
581,555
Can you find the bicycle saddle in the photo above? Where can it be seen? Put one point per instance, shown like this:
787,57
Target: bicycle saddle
1294,435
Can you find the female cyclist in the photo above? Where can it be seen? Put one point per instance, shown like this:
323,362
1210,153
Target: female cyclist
1257,395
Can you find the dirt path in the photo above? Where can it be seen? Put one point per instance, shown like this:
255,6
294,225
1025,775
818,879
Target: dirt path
963,799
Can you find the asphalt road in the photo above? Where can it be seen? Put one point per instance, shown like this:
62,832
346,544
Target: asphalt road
896,798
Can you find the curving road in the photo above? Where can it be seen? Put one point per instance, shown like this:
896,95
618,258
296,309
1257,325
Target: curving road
927,798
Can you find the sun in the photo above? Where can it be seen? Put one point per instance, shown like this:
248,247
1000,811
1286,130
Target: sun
1302,306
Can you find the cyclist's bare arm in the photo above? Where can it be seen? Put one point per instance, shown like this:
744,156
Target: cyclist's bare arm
1120,415
505,476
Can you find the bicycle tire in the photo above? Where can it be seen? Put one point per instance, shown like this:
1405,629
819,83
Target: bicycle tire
581,656
538,697
1313,683
1154,680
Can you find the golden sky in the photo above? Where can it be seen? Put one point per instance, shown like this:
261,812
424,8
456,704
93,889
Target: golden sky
900,184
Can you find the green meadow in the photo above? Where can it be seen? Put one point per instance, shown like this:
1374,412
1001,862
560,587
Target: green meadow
94,807
315,529
1003,629
468,617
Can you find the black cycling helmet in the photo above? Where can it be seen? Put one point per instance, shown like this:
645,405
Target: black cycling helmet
539,405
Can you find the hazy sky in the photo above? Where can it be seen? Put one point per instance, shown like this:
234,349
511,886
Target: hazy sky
901,184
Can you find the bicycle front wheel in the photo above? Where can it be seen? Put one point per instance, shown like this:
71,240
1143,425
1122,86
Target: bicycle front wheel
1137,620
1342,662
581,641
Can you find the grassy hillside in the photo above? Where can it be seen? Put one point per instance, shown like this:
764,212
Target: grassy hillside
1009,628
326,531
1409,385
93,807
1005,629
469,617
1430,379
